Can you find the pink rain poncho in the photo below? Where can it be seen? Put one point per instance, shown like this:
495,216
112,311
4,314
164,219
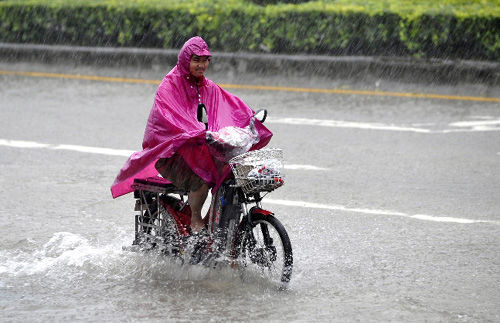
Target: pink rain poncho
173,127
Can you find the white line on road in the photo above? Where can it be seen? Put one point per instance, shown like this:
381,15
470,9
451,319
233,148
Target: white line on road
377,212
476,123
344,124
96,150
461,126
112,152
303,167
83,149
126,153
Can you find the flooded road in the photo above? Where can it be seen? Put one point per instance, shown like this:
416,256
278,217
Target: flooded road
391,203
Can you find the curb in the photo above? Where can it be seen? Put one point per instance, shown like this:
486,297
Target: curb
345,67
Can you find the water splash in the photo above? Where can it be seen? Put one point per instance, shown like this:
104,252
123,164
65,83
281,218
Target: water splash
72,257
64,250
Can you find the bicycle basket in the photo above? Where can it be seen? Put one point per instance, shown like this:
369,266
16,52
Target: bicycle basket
258,170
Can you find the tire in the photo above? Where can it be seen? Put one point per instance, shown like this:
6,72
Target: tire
264,246
170,234
158,230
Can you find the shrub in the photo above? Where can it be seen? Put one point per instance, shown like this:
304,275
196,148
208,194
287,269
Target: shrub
452,28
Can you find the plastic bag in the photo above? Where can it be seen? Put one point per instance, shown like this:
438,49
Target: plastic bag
231,141
263,171
268,174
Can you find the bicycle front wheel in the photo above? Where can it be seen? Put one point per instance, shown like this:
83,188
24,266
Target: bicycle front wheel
265,247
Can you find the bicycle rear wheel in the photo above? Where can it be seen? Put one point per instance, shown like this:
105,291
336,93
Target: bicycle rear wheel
157,229
170,234
265,247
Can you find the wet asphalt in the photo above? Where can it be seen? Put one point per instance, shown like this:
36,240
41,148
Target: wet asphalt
400,220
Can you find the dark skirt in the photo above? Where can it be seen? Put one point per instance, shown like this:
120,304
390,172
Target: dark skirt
176,170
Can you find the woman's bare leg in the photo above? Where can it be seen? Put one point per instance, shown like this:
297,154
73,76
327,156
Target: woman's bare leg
196,200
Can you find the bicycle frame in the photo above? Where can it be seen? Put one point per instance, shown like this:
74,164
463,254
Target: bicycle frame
240,232
150,197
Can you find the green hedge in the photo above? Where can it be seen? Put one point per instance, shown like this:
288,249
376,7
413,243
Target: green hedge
450,29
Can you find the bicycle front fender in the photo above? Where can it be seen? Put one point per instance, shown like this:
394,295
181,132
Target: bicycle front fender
258,210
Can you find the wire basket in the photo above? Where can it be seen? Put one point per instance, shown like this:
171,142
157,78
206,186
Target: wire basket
252,162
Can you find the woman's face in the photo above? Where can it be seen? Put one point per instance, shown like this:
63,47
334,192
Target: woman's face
198,65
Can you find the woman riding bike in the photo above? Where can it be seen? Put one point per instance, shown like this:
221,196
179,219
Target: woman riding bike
174,142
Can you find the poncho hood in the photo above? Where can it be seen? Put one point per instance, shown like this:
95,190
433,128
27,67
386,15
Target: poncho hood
195,45
172,126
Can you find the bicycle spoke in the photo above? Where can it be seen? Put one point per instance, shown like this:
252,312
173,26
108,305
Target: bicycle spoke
264,252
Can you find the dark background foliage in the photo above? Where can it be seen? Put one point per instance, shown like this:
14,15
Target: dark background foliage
237,25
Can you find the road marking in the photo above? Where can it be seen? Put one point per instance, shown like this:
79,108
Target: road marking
344,124
264,87
362,92
303,167
22,144
81,77
460,126
95,150
127,153
84,149
342,208
112,152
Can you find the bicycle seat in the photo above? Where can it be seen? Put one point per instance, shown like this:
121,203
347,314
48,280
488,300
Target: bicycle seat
156,185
